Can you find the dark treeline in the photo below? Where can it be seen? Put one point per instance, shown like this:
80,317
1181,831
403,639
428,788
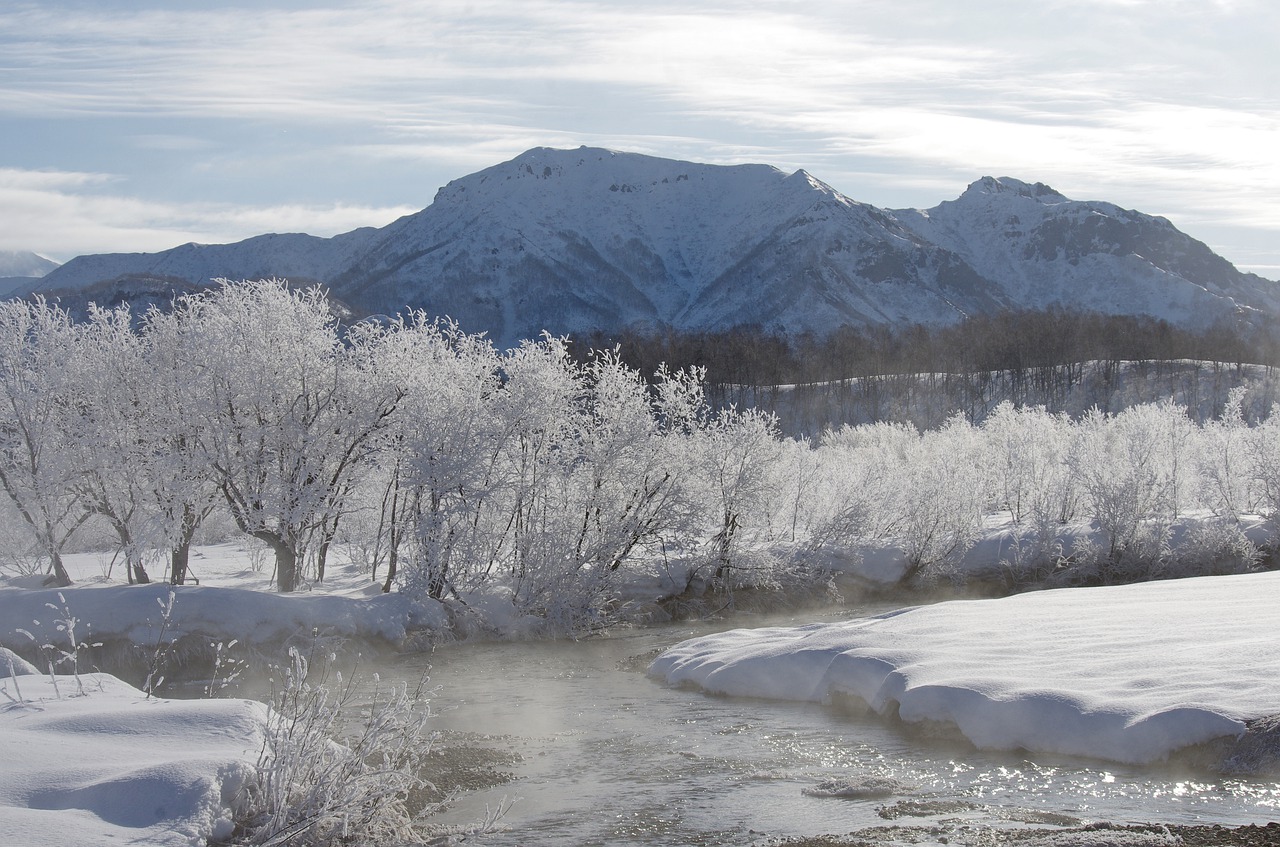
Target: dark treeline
1064,359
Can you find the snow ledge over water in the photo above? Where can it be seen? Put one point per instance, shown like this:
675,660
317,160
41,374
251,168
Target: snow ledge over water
1125,673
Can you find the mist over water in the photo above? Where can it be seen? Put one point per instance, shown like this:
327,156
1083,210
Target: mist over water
607,755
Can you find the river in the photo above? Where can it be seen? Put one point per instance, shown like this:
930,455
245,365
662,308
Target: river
589,750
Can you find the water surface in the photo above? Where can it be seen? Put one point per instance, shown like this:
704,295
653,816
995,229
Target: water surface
606,755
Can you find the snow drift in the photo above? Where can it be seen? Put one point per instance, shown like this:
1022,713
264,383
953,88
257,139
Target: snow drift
1129,673
114,766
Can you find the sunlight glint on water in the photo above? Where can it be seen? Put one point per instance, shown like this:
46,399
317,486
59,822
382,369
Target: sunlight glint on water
610,756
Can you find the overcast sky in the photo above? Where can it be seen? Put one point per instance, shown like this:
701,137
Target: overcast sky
128,126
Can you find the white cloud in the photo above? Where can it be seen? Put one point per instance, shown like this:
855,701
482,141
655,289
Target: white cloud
18,179
43,214
1169,105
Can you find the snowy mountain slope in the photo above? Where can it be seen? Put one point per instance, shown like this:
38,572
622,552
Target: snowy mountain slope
24,263
586,239
292,255
573,240
578,240
1048,250
21,271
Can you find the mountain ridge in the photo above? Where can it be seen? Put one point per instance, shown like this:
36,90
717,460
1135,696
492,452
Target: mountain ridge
572,241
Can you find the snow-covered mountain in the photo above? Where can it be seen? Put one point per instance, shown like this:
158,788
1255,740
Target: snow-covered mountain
24,263
292,255
576,240
1044,249
21,270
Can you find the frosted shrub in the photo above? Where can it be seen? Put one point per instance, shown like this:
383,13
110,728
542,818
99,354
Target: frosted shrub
1209,548
1225,463
939,503
315,790
1264,446
1130,481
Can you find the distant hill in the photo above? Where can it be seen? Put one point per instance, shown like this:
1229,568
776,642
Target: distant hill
574,241
20,271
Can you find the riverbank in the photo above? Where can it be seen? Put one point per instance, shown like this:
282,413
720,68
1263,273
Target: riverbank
505,687
1130,673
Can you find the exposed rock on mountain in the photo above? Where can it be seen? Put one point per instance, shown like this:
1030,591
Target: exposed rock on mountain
578,240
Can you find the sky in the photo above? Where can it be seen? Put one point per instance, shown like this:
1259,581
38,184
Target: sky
137,126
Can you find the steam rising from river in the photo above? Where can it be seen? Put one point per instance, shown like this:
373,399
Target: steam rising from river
608,755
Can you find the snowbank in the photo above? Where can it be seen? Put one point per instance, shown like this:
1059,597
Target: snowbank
1128,673
111,766
135,613
1001,545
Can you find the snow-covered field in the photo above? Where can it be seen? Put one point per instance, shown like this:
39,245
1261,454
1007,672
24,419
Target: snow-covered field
234,600
95,761
1128,673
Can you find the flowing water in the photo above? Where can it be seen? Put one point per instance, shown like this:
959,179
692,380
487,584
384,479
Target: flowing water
593,751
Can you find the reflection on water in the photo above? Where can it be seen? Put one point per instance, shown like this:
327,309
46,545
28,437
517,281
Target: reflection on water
609,756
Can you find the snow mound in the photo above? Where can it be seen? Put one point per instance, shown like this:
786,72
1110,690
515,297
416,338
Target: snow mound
1127,673
11,664
111,766
135,613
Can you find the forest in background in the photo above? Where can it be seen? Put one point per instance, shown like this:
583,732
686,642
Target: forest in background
453,470
1065,360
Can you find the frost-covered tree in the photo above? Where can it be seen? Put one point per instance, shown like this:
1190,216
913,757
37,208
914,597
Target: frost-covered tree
1264,448
113,431
939,499
1026,454
734,457
286,419
1226,460
440,454
181,487
857,484
1133,470
39,467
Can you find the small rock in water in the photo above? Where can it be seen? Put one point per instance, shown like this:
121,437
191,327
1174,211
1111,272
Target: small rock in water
857,788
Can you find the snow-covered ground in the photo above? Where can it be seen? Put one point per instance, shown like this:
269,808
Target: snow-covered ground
234,600
90,759
94,761
1128,673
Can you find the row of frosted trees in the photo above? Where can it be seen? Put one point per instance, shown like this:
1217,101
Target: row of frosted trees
447,462
447,466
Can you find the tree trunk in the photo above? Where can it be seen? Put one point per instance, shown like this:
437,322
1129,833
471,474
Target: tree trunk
140,574
286,563
725,544
179,560
180,556
62,579
327,533
393,559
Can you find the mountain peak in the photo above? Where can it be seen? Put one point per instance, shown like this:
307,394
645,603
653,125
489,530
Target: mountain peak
586,239
24,263
1008,185
553,178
